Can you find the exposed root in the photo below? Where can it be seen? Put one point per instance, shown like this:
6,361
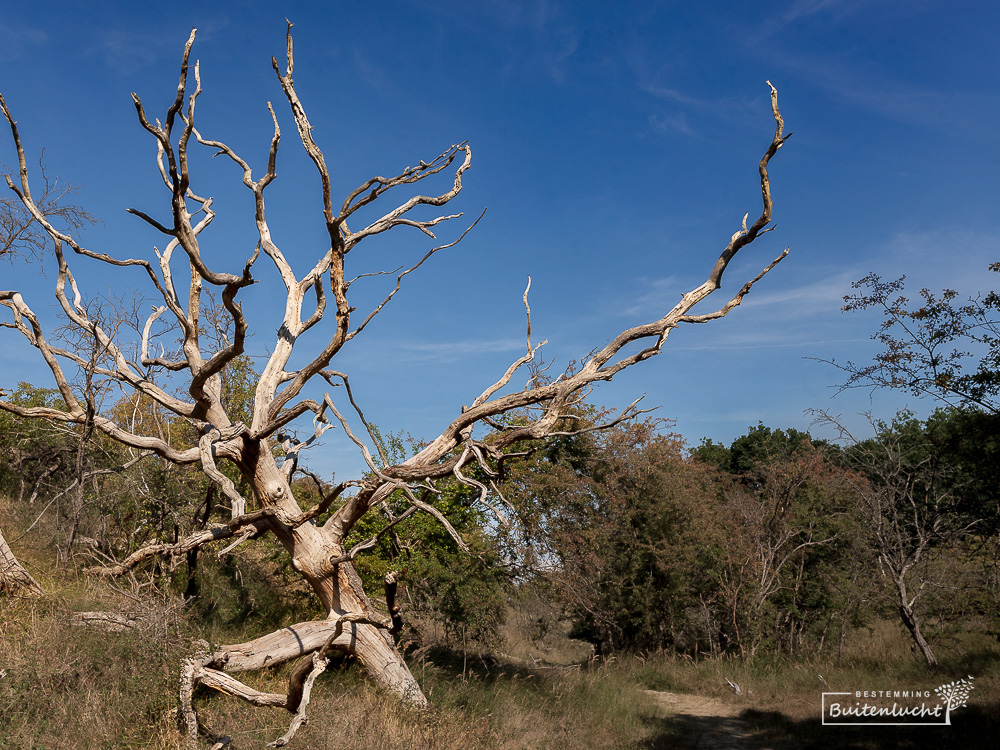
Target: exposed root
319,664
318,637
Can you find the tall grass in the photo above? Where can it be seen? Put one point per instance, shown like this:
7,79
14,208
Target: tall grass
71,687
879,659
66,686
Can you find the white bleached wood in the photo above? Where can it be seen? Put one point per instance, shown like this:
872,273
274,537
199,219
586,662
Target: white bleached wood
316,549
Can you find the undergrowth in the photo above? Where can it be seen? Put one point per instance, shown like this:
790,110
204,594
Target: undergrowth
68,686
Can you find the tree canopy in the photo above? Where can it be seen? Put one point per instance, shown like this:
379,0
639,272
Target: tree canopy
938,345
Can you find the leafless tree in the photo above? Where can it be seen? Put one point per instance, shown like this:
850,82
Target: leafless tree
767,540
908,503
20,235
314,538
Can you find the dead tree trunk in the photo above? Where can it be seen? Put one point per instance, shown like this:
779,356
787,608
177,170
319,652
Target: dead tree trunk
314,553
14,579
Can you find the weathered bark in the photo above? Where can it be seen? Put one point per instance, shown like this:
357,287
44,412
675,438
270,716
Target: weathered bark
116,622
353,634
337,586
14,579
317,552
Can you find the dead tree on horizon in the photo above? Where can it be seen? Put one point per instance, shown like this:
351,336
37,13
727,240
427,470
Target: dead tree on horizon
315,537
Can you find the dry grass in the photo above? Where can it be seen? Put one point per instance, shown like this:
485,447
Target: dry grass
534,633
72,687
783,696
64,686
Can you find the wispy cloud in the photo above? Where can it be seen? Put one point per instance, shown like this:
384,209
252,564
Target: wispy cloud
545,38
858,74
822,295
450,351
654,297
556,58
867,85
892,98
776,339
951,257
377,76
13,41
534,15
671,94
677,110
800,9
677,122
948,257
127,47
723,108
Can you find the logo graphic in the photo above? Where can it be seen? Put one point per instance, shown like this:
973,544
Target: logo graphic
896,707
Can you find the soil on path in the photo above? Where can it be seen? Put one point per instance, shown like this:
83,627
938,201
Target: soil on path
708,724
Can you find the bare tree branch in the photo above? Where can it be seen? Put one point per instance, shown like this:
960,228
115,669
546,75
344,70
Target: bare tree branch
127,351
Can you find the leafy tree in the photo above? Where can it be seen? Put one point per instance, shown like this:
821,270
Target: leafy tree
463,591
618,525
948,349
785,513
967,441
32,451
650,548
939,346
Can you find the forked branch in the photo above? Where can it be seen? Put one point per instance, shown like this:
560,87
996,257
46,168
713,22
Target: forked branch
553,401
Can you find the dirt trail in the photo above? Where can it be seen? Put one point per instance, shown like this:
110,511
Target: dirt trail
709,724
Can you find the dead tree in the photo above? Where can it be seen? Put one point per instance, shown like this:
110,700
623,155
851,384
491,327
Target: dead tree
314,538
14,579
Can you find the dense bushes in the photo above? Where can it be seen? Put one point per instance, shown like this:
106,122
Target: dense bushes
767,544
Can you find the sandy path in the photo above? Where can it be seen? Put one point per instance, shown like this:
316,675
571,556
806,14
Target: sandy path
710,724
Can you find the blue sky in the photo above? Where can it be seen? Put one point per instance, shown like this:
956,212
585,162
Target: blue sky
615,149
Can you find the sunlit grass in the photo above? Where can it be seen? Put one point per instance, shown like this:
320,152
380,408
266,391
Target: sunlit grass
65,686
